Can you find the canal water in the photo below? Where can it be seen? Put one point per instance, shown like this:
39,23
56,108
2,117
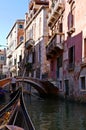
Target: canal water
55,114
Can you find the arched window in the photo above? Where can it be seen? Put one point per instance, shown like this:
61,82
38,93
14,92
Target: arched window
21,38
20,26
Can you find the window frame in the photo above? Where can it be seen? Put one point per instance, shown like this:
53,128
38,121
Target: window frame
81,87
71,55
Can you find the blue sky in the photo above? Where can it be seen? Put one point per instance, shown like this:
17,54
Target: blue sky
10,11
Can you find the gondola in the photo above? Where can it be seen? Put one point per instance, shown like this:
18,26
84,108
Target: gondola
8,106
18,117
2,92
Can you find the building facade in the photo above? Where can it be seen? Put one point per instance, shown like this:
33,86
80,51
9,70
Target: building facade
15,49
66,49
36,37
2,62
54,45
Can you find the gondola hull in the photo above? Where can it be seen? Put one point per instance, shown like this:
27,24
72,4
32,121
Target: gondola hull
19,116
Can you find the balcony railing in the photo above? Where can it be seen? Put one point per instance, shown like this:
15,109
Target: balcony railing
37,2
56,42
57,8
29,43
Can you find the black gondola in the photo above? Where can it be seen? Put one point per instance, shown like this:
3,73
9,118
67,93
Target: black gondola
19,117
2,92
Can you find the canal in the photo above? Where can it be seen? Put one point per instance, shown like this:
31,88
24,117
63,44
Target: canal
55,114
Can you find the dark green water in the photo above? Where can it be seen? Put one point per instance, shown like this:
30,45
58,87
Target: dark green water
54,114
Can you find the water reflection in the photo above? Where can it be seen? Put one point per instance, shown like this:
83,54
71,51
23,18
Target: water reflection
54,114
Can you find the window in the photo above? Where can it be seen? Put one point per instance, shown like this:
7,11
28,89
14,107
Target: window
70,21
30,33
20,26
14,61
71,16
82,82
59,61
2,58
60,27
21,38
85,49
20,58
59,64
39,53
71,57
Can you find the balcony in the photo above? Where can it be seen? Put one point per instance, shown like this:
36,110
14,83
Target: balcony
9,53
55,45
70,31
36,3
29,44
55,11
9,56
13,68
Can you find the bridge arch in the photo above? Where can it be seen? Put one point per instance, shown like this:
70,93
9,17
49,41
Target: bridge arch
43,87
37,86
34,84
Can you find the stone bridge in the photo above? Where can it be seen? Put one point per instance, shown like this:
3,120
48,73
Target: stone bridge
42,86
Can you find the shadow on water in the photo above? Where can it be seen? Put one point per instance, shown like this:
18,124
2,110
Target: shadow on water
56,114
4,99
